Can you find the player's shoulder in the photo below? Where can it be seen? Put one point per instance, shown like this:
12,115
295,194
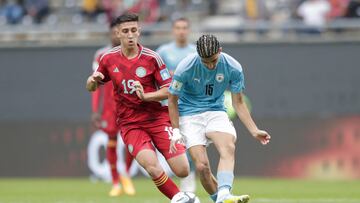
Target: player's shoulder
187,63
102,50
164,47
111,52
231,62
192,46
152,54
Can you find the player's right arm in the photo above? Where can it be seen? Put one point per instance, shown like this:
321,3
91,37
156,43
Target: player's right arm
99,76
94,80
175,90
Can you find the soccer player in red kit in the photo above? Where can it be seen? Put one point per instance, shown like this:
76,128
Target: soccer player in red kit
141,80
104,118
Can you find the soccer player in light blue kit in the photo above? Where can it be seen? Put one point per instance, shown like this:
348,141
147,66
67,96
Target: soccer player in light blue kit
197,113
172,53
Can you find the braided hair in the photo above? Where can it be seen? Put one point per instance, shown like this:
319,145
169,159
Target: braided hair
207,46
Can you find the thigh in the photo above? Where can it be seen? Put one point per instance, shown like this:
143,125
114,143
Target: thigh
198,154
218,121
136,139
161,133
193,130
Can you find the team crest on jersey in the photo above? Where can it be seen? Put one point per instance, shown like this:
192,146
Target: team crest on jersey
219,77
140,72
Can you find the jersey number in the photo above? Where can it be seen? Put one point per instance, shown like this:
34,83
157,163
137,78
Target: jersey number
128,85
209,88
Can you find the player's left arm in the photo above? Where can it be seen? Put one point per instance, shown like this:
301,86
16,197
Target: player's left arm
158,95
236,87
162,79
245,117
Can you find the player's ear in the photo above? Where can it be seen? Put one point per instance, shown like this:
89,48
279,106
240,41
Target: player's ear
220,49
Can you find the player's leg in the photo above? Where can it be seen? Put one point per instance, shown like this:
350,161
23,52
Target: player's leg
193,129
188,184
128,160
125,178
111,156
222,133
199,156
161,134
140,146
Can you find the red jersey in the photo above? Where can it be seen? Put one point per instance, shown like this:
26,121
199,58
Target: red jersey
102,99
147,68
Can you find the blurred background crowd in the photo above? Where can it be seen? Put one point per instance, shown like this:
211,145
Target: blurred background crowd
310,17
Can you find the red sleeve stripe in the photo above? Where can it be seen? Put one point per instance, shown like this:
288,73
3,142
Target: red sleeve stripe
153,54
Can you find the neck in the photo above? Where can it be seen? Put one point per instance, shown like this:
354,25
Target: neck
130,52
181,43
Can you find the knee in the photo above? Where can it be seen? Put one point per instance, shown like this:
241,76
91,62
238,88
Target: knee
182,171
227,151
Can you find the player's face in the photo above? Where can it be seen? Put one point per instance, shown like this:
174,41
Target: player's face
128,33
211,61
181,30
115,41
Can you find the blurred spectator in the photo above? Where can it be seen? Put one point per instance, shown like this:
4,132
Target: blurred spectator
37,9
148,10
338,8
256,10
113,8
314,14
91,8
12,11
353,10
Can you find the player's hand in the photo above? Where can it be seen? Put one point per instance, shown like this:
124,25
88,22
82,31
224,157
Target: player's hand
139,90
96,119
176,138
262,136
94,80
97,77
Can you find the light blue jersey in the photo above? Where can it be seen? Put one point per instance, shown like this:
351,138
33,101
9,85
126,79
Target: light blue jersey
172,54
201,89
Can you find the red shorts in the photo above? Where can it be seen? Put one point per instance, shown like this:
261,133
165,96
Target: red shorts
145,136
108,123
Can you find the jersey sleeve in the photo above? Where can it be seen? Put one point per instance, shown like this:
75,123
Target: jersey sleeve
177,83
102,69
237,76
237,81
162,74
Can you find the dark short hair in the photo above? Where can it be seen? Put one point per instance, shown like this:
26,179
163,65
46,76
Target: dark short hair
207,46
126,17
180,19
112,24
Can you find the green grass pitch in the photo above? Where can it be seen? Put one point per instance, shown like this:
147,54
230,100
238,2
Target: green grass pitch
261,191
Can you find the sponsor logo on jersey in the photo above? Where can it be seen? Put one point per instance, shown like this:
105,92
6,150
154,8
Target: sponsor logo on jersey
197,80
219,77
176,85
165,74
140,72
116,70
